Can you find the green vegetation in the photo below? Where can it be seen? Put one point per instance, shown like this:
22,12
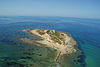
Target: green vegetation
57,37
41,32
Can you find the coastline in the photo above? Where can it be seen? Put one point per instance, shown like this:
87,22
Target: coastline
60,56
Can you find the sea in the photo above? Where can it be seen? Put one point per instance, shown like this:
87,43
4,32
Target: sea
16,53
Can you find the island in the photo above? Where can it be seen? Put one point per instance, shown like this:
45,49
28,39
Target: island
62,42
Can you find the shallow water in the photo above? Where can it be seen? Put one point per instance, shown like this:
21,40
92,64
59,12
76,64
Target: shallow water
85,31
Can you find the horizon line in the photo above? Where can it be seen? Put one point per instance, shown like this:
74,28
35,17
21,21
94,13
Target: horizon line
53,16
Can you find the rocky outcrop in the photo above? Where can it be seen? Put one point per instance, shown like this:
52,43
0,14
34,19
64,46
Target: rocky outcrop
60,41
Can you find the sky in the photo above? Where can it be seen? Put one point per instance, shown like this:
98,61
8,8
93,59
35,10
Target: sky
65,8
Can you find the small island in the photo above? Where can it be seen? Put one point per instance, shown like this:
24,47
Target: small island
62,42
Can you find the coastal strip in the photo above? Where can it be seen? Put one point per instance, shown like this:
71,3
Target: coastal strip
62,42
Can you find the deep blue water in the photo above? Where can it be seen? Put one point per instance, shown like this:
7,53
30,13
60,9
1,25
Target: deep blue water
85,31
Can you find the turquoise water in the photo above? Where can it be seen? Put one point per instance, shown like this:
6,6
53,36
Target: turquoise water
85,31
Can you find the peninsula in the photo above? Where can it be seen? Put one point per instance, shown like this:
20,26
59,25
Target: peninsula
62,42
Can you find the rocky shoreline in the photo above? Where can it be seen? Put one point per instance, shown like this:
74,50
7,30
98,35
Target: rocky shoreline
64,43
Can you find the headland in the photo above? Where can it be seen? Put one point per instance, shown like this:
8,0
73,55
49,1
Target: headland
62,42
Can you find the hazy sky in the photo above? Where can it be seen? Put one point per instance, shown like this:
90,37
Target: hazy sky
68,8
